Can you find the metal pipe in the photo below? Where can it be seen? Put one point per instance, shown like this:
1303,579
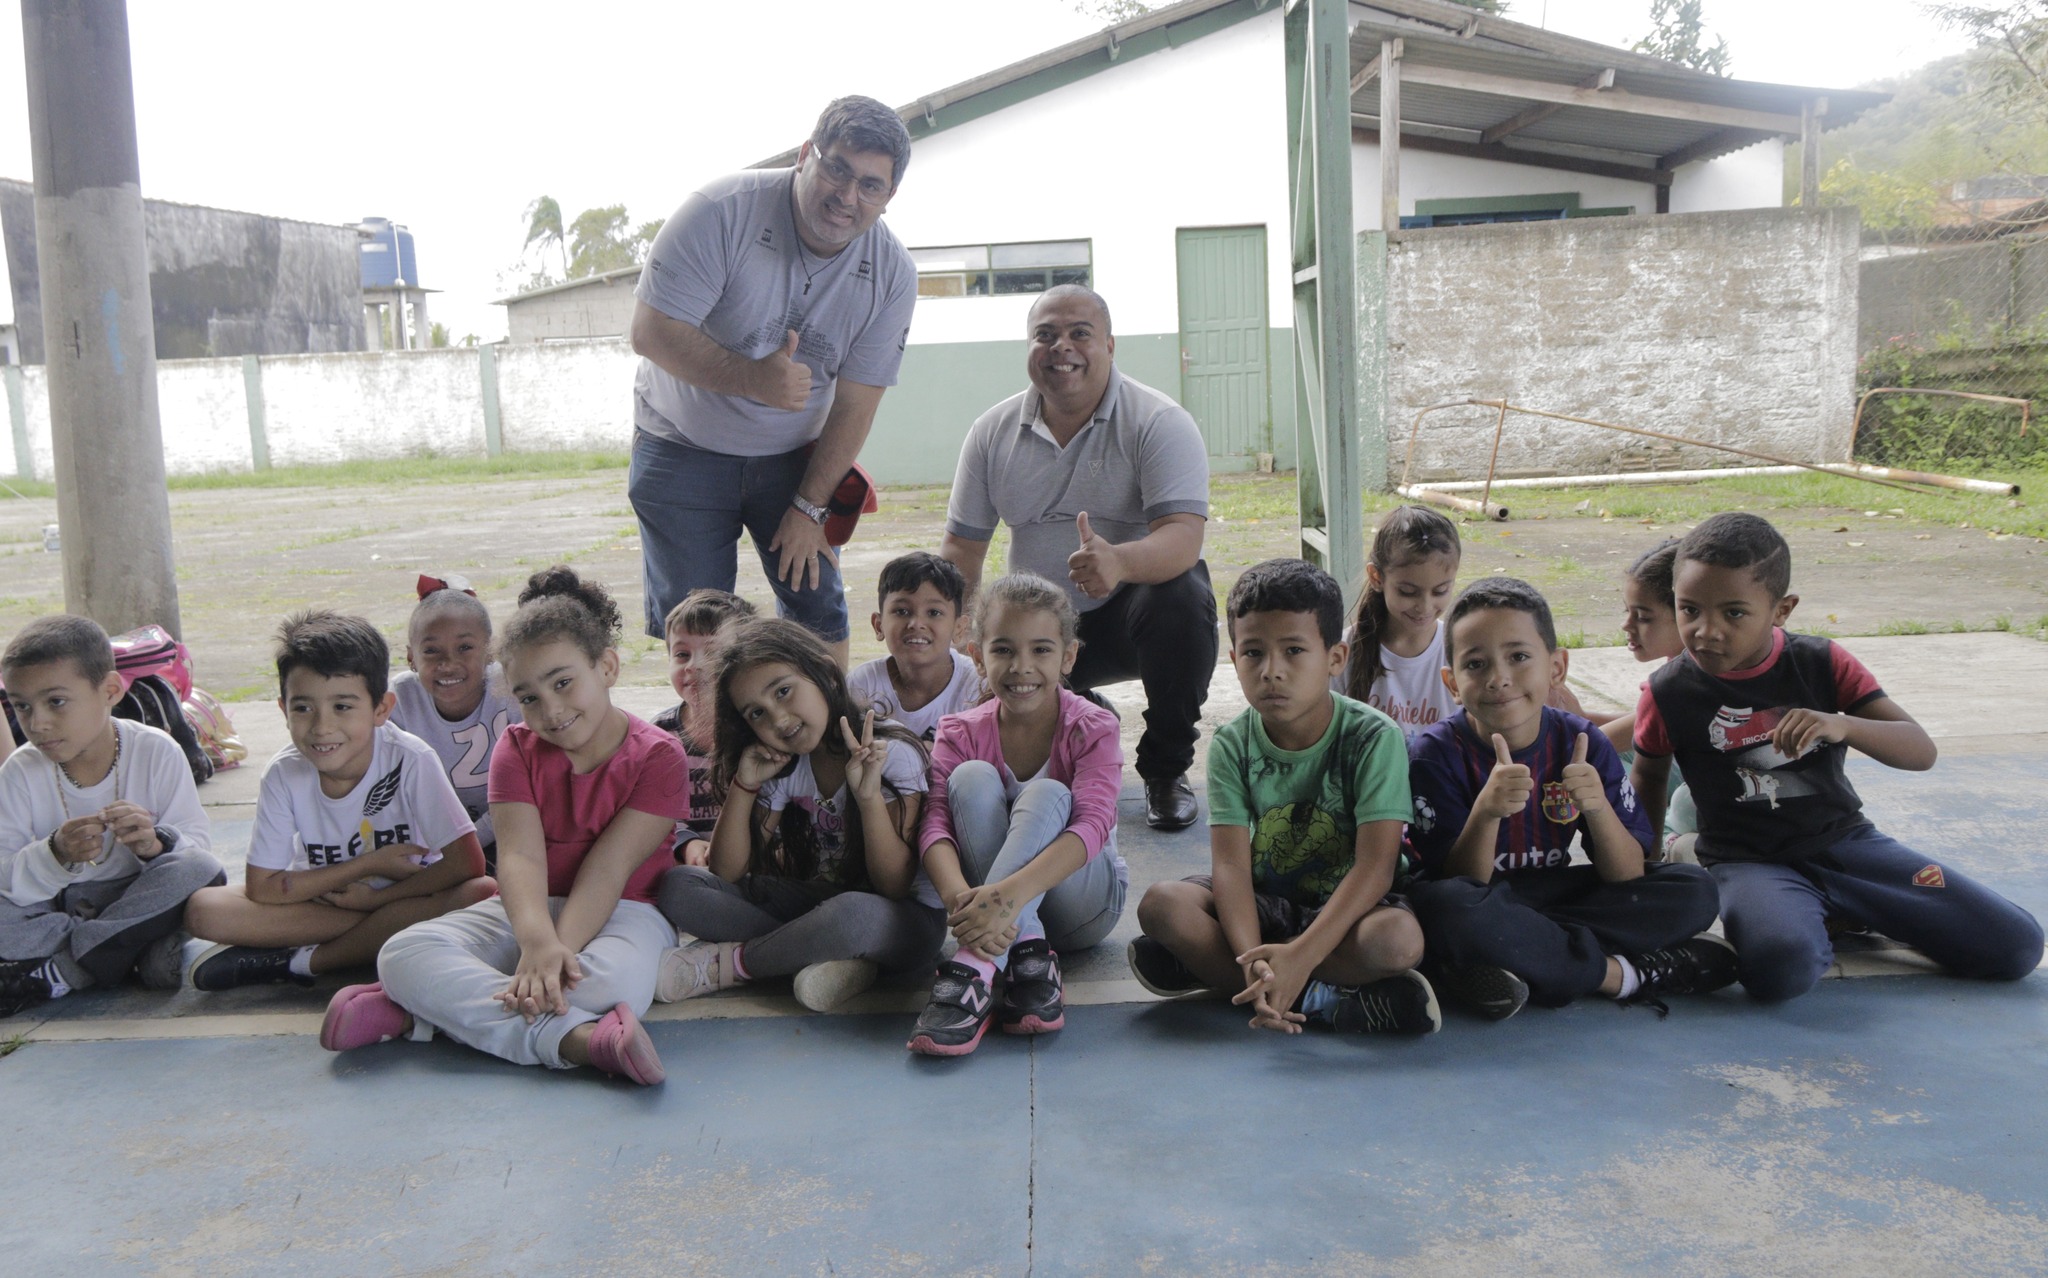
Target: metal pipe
1996,487
1856,427
1624,477
1446,500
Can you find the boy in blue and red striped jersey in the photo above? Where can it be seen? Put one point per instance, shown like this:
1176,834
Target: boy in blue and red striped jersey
1501,790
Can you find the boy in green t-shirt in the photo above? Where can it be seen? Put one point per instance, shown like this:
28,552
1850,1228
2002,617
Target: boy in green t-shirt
1308,791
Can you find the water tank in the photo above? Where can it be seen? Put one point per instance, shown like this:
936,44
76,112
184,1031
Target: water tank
386,254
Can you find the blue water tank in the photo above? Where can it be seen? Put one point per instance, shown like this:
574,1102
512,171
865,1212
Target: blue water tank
386,254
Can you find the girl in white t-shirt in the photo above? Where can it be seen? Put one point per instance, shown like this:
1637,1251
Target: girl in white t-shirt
452,695
1397,638
812,872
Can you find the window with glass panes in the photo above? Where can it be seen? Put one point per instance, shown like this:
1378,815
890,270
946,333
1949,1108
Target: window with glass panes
993,270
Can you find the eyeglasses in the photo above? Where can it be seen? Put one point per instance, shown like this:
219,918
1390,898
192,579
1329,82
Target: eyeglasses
871,191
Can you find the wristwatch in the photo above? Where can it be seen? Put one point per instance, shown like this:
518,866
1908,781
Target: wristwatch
811,510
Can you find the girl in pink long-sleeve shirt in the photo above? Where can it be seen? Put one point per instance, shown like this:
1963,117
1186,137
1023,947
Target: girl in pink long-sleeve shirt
1019,834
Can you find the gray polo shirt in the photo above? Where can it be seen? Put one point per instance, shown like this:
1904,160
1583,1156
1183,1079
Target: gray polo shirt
1141,458
729,262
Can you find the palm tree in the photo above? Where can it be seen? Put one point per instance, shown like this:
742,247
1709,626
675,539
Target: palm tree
544,227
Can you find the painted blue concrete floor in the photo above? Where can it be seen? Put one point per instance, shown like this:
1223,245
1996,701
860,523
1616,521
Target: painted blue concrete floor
1877,1126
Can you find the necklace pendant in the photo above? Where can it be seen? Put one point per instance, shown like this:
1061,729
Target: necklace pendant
807,288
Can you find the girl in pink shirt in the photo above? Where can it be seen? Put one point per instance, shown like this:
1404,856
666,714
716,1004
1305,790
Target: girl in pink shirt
1019,837
585,798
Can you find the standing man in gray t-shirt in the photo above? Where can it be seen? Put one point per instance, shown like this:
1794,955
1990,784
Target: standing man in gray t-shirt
1104,485
771,316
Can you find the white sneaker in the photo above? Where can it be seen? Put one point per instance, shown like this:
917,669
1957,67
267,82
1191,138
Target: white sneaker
824,986
697,968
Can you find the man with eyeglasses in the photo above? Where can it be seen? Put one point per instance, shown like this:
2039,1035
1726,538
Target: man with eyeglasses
770,317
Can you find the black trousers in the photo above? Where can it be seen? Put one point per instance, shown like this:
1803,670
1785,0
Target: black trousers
1165,636
1556,928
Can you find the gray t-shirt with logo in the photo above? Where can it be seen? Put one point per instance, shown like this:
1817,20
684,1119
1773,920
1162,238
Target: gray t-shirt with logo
729,262
1141,458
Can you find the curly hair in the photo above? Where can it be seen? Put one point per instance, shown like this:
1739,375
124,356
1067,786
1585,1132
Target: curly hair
558,604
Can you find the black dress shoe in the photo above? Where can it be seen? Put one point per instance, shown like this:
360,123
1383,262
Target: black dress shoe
1170,803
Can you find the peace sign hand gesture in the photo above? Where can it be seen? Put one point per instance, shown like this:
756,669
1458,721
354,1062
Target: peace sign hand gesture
864,758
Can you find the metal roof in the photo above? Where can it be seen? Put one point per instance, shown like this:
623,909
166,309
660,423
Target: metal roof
581,281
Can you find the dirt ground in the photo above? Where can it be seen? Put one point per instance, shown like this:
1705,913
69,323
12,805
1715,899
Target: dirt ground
247,556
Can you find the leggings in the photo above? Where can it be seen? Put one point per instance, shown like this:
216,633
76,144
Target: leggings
789,924
996,838
449,971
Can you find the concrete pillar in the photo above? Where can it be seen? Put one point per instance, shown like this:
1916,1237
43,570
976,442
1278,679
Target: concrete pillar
423,332
98,336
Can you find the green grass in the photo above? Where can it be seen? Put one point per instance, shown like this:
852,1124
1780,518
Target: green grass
9,1046
378,473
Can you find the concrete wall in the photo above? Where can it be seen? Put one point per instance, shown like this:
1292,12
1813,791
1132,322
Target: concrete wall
221,282
1734,327
599,308
1975,292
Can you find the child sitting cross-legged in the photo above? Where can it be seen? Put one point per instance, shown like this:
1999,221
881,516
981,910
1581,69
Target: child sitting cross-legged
924,678
451,696
1502,788
692,630
1307,793
102,838
557,970
1761,721
1020,831
811,872
358,832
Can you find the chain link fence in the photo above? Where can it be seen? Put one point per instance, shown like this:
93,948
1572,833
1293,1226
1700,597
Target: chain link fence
1962,307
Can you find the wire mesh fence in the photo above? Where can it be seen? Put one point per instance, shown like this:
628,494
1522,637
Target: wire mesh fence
1959,307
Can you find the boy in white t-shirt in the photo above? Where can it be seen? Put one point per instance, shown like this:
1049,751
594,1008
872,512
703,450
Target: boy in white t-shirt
453,695
358,833
102,838
924,678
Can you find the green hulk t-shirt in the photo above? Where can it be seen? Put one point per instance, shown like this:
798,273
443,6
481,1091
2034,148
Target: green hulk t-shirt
1304,807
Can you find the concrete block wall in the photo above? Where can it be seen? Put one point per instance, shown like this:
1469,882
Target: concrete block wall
1972,292
567,395
1735,327
330,408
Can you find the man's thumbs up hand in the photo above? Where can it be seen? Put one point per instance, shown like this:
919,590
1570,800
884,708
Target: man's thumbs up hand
1097,568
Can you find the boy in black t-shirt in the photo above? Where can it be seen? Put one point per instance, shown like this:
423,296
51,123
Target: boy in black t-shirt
1757,719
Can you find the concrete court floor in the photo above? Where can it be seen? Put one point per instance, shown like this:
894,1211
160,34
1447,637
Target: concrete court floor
1876,1126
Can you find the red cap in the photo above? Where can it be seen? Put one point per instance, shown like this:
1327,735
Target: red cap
854,497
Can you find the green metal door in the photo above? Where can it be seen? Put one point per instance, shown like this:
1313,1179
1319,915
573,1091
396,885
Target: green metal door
1223,380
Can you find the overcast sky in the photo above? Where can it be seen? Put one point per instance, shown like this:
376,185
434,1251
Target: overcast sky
449,117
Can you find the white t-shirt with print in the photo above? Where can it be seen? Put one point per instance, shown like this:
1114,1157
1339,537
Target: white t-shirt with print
464,746
404,797
870,682
902,774
1409,690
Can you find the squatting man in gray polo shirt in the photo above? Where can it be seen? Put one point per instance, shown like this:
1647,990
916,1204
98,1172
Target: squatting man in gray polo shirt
771,316
1104,485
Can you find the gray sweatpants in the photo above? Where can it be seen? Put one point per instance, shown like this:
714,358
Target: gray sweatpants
996,838
96,929
788,925
449,971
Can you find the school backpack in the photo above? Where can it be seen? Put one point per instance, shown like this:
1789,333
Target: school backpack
156,671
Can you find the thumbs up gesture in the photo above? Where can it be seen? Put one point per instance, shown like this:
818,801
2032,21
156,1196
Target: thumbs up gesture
779,381
1097,568
1507,787
1582,781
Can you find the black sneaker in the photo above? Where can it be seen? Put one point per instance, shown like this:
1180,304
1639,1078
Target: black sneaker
22,987
1033,1001
1403,1004
1699,966
1158,970
954,1021
227,967
1493,992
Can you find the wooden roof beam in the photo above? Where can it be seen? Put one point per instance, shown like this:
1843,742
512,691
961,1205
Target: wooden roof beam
1716,143
1600,81
1366,128
1371,70
1616,100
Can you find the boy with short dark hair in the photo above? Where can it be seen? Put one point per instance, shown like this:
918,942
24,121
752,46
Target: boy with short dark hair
1502,788
923,599
691,632
1307,794
359,833
1758,719
102,839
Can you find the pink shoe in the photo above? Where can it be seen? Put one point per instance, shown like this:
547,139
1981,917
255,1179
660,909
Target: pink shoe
360,1015
619,1045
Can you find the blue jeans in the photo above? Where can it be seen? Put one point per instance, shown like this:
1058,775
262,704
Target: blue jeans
996,838
692,505
1776,915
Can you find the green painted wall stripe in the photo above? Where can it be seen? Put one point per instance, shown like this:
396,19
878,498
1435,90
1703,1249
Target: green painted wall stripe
252,390
494,426
17,413
1567,200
